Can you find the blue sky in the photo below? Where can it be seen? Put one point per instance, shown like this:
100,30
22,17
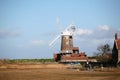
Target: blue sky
28,26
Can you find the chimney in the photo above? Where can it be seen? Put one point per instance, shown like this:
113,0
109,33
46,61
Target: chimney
116,36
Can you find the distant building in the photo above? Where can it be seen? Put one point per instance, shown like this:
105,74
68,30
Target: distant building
116,50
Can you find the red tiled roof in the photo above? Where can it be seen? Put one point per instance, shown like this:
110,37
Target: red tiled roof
118,43
75,48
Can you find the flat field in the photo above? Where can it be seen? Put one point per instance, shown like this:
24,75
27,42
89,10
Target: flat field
53,72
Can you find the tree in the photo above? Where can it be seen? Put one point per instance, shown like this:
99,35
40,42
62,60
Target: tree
103,51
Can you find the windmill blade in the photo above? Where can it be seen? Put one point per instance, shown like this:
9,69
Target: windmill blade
54,40
67,28
58,24
70,26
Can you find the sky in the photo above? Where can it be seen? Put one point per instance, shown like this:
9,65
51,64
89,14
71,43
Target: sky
28,26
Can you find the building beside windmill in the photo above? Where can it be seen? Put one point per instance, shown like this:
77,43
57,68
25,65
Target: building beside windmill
116,50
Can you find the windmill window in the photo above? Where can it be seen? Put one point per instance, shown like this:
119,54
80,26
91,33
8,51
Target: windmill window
70,37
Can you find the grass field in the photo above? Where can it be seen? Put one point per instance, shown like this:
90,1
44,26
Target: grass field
53,72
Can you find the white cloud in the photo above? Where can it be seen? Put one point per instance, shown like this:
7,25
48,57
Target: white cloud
31,44
37,42
9,33
83,32
101,32
104,27
119,29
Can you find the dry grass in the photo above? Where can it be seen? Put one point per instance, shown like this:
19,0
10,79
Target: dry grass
53,72
31,66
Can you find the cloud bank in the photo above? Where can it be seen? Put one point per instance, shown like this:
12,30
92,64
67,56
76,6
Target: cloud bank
101,32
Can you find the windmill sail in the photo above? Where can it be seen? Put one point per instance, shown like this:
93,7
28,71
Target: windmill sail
54,40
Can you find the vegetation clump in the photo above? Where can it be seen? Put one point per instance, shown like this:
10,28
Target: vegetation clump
26,61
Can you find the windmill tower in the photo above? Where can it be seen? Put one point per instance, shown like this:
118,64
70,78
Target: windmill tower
67,39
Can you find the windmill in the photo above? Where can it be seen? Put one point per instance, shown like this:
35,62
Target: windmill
68,53
66,39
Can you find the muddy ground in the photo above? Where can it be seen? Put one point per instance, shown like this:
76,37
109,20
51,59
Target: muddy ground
54,72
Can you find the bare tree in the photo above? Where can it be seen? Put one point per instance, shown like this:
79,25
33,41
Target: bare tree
103,50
